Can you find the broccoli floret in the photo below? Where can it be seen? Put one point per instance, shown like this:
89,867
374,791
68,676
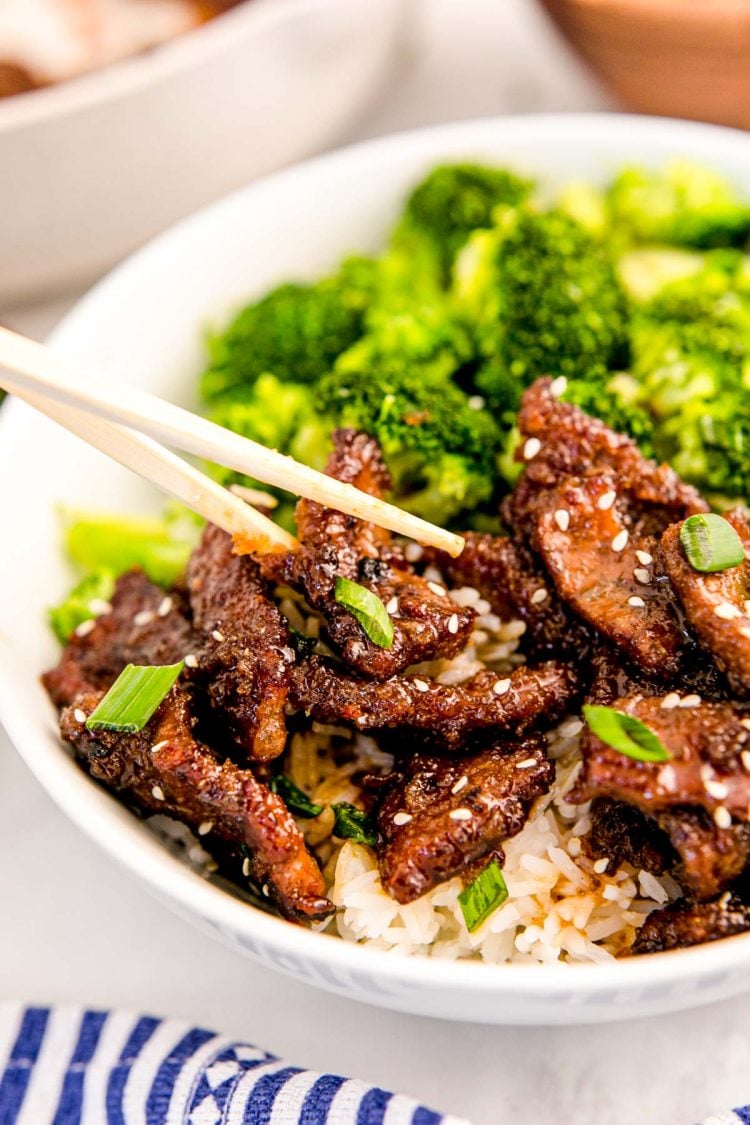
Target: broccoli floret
691,349
453,201
543,297
82,603
645,271
295,332
616,400
683,204
396,384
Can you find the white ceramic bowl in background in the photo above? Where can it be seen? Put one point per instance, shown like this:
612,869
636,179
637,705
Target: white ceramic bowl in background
144,322
93,167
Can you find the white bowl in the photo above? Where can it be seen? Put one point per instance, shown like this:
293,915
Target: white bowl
93,167
144,322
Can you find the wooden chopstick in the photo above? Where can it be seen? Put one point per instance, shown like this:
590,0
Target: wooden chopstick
37,370
173,475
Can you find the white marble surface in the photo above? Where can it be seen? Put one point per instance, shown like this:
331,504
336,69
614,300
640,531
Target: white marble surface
76,929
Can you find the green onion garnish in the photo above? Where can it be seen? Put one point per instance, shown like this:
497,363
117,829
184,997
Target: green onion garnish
368,610
626,734
294,798
483,895
711,543
353,824
133,697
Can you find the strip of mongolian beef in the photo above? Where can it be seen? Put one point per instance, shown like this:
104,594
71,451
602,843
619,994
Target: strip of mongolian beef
625,598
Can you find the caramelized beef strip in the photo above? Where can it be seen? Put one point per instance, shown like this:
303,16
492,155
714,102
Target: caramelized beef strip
704,859
145,626
246,650
427,624
683,924
716,605
624,834
163,769
710,858
456,813
509,577
451,715
593,508
708,766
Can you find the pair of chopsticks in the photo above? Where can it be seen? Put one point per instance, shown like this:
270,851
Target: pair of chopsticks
128,424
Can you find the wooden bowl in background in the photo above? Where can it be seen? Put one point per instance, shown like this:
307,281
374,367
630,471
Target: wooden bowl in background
677,58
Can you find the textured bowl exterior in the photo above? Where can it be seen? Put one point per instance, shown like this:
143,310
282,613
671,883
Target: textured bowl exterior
95,167
144,323
676,60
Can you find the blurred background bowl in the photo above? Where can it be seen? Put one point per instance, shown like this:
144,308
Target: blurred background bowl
676,58
94,167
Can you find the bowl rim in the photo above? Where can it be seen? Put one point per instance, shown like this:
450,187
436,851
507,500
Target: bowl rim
128,75
114,828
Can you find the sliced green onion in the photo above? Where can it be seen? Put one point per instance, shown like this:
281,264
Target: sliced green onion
626,734
133,697
294,798
483,895
353,824
368,610
711,543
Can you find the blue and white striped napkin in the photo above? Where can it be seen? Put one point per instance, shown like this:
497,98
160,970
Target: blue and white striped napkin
739,1116
69,1066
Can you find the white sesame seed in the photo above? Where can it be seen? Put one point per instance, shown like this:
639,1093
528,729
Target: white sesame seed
191,661
460,814
669,702
265,890
475,402
558,386
159,746
539,596
79,715
453,623
745,759
165,607
601,865
143,617
413,552
636,602
606,500
526,764
722,817
707,772
562,519
725,899
531,448
500,687
402,818
620,541
574,846
642,575
716,789
691,701
437,589
667,778
205,827
463,781
392,605
99,607
726,611
246,867
421,685
85,628
157,793
217,635
644,557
